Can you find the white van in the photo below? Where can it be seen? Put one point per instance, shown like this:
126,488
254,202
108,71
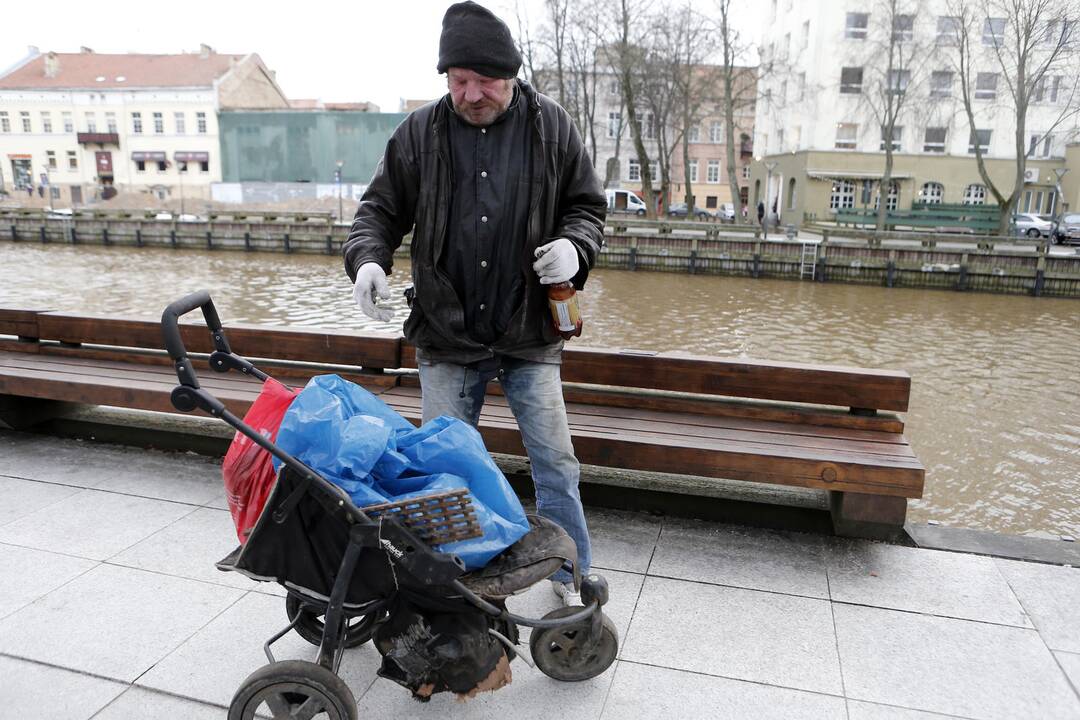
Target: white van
624,201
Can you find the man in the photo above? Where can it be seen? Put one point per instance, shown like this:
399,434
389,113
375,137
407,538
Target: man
505,202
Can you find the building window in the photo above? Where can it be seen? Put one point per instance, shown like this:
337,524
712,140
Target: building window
903,28
712,172
856,26
1046,90
110,122
843,195
161,166
983,138
140,166
802,86
846,136
633,170
178,118
934,139
745,172
986,86
932,193
892,199
693,171
806,35
716,132
204,166
69,123
136,122
897,137
614,124
791,194
91,122
73,160
1039,145
851,80
693,135
993,31
613,87
46,122
710,202
25,117
648,127
948,29
50,159
899,81
975,195
159,124
5,122
941,82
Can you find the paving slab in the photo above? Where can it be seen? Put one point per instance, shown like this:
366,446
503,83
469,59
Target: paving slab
624,589
211,665
925,581
742,634
20,498
189,548
622,540
950,666
858,710
644,691
112,621
139,704
1070,663
93,524
33,691
1051,596
29,574
741,557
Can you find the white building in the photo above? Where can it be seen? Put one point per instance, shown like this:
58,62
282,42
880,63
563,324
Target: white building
89,124
822,63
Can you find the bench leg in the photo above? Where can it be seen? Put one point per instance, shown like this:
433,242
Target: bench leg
875,517
19,413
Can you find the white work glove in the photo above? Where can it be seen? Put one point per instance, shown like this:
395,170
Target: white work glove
556,262
370,279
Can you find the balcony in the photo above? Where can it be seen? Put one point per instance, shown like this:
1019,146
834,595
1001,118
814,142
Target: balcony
98,138
746,149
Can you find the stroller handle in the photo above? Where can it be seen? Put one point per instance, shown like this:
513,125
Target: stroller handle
170,326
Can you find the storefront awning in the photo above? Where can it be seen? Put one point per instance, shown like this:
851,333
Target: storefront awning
148,156
852,175
191,156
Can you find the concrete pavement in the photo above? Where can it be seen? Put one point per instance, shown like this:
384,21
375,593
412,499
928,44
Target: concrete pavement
110,608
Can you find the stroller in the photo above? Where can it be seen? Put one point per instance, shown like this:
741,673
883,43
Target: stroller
358,574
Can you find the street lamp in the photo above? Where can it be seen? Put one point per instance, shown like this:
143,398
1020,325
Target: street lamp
1060,173
337,177
770,165
181,168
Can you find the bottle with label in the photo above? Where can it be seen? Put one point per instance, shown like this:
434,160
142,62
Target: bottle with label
565,314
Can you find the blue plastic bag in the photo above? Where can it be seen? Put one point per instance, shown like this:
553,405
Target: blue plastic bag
361,444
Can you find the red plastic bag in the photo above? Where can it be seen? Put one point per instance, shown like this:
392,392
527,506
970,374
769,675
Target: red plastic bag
248,470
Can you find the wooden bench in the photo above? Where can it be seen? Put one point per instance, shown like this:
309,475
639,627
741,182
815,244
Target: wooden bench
822,427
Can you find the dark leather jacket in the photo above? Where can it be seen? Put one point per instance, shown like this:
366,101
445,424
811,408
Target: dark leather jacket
411,191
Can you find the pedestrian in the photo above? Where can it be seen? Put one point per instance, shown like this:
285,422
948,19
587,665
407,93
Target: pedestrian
761,213
745,213
30,191
505,202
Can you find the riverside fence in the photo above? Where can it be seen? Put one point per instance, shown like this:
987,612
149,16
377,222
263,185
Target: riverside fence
914,260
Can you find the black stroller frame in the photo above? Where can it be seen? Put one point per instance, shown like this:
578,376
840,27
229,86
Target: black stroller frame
567,644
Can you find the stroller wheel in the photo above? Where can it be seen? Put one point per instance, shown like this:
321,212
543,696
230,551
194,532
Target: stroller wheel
560,652
310,626
293,688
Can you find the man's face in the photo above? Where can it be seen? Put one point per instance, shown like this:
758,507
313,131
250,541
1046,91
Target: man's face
478,99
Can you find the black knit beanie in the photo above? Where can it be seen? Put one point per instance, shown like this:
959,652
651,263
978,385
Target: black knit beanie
473,38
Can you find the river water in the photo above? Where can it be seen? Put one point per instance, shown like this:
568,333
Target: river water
995,401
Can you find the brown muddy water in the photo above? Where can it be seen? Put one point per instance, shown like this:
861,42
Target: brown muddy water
995,401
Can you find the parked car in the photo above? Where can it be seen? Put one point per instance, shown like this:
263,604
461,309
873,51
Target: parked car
726,211
1031,225
624,201
1068,231
679,210
60,213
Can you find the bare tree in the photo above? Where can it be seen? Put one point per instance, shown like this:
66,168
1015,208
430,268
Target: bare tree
583,66
739,90
1032,44
892,72
526,44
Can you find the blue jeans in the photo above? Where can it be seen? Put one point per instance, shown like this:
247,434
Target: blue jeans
534,393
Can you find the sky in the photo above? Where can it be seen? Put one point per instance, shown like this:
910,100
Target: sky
374,50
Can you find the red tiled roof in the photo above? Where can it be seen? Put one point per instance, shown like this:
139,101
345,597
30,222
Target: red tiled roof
82,70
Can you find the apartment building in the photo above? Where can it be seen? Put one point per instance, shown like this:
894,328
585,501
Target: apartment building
86,125
819,124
